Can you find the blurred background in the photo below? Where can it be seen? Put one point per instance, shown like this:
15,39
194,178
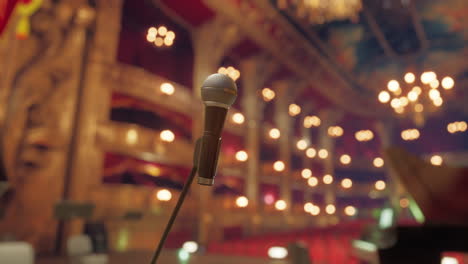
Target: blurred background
100,109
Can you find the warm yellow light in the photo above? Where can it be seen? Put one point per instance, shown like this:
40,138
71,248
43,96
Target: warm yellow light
280,205
132,136
328,179
167,88
241,155
433,94
301,144
438,101
306,173
312,182
330,209
462,126
350,210
417,90
393,86
384,97
242,201
168,42
335,131
452,128
448,83
404,101
380,185
279,166
345,159
413,96
323,153
311,152
150,37
308,207
274,133
152,31
229,71
404,202
162,30
395,103
310,121
158,42
294,109
400,110
427,77
170,35
268,94
409,77
418,108
167,135
378,162
152,170
164,195
436,160
238,118
410,134
315,210
364,135
346,183
434,84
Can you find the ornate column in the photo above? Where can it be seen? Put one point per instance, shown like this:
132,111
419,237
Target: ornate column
284,123
210,41
255,72
329,118
385,131
40,117
86,159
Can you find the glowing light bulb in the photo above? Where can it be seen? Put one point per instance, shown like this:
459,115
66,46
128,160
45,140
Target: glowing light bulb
274,133
306,173
242,156
308,207
323,153
167,88
404,202
380,185
436,160
345,159
433,94
395,103
418,108
280,205
279,166
152,31
301,144
312,181
238,118
294,109
132,136
311,152
378,162
384,97
170,35
413,96
330,209
417,90
158,42
409,77
277,252
315,210
427,77
434,84
242,201
393,86
167,135
190,246
164,195
346,183
438,101
350,210
448,83
328,179
268,94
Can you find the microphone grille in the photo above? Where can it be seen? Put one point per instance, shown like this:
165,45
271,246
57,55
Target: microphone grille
219,89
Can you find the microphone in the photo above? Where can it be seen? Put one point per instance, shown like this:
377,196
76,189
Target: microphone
218,93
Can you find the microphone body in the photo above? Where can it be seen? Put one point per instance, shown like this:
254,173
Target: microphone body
218,94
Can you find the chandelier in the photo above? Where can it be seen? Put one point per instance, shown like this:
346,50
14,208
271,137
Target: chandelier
414,96
322,11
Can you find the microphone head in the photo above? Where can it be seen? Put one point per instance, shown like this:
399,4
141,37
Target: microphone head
219,90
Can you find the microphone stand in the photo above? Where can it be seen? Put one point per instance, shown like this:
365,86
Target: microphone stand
180,201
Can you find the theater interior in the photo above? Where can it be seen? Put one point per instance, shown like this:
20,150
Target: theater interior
347,142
